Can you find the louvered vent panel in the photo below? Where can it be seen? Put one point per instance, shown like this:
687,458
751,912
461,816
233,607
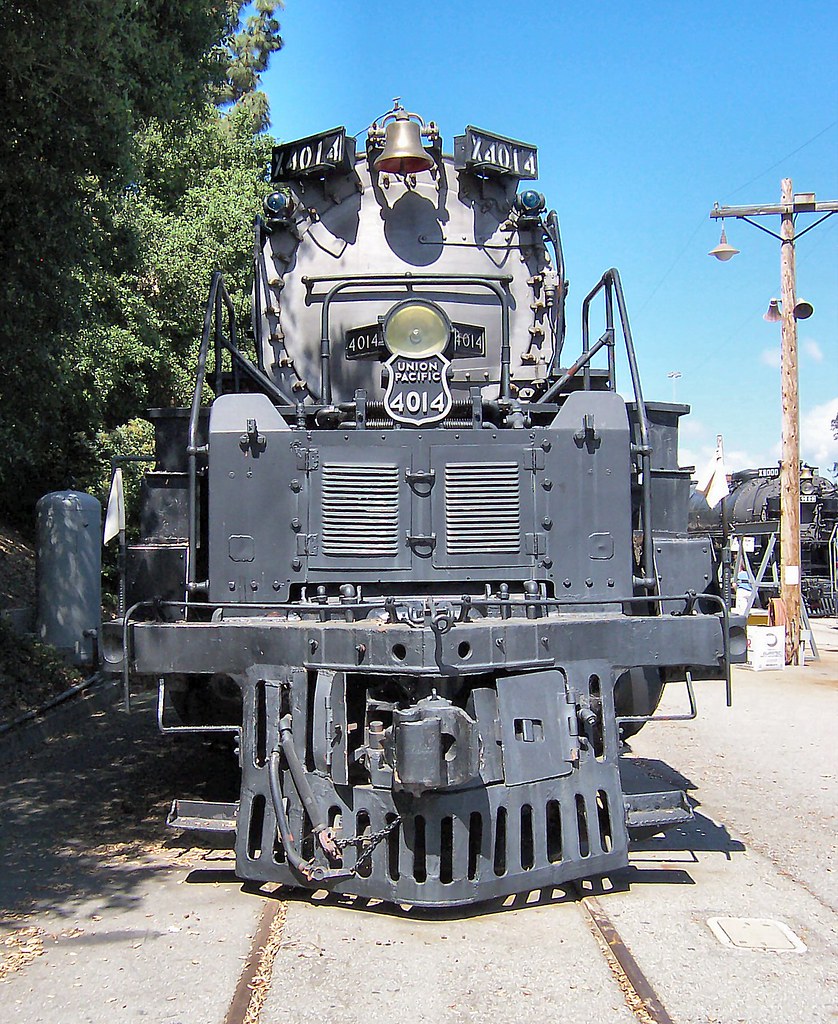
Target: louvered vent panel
482,508
360,510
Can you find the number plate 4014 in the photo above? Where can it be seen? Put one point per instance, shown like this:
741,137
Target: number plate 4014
417,389
486,153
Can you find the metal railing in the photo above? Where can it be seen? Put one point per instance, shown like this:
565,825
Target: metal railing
219,303
463,606
611,287
408,281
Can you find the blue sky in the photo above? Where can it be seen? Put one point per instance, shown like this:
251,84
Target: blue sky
644,114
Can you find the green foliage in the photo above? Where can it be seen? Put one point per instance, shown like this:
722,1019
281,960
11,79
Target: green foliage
189,211
134,439
95,296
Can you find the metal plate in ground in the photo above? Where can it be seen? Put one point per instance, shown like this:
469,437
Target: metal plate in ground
755,933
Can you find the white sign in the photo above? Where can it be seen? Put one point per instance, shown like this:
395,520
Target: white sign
791,575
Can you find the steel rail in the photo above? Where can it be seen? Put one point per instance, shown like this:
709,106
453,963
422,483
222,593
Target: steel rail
626,969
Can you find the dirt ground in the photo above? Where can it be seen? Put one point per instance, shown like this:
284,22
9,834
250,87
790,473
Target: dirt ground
17,569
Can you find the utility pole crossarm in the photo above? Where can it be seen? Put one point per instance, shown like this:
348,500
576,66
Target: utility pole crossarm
801,204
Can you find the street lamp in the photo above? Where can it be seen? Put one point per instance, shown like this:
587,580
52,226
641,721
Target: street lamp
723,252
791,204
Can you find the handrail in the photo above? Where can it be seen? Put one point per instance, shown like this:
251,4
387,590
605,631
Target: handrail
612,287
551,228
832,550
210,312
689,600
218,301
259,282
493,284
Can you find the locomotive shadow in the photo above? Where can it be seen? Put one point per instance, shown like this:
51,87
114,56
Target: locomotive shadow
699,835
83,799
567,894
554,896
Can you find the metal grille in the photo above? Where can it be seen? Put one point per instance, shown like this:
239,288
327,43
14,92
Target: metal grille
360,510
482,508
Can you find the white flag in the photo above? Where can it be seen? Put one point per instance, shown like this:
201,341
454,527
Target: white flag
713,481
115,515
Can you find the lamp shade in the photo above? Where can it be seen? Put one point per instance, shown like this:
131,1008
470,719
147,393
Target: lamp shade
723,251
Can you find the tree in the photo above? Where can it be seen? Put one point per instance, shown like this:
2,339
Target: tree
190,211
247,54
79,81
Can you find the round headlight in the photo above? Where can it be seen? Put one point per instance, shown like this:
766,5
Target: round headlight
416,328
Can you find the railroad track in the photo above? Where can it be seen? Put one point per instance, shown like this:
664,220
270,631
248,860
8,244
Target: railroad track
637,990
254,984
255,980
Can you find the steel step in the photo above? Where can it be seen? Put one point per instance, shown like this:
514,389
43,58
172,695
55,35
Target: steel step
203,816
648,813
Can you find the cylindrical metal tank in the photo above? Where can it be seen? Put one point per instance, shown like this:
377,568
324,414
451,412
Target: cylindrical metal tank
69,561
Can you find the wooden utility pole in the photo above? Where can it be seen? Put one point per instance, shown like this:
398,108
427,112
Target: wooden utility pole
790,206
790,433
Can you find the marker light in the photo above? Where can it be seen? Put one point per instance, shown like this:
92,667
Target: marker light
278,205
416,328
530,202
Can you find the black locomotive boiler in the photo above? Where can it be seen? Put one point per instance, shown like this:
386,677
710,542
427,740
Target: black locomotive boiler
748,520
423,565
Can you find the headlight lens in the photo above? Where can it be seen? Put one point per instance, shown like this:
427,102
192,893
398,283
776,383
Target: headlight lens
278,205
416,328
530,202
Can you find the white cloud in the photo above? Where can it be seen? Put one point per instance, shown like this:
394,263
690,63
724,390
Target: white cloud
818,446
702,455
690,426
813,350
770,357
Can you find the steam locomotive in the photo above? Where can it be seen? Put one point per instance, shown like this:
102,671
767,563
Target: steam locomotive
749,518
428,571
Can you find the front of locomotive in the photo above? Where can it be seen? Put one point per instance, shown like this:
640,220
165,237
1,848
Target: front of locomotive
432,555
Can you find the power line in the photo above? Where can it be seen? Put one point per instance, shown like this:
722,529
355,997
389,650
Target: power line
672,265
782,160
701,223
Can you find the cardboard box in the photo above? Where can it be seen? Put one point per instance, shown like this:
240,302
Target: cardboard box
766,648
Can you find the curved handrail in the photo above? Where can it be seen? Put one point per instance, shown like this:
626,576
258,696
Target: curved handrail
218,302
493,284
612,287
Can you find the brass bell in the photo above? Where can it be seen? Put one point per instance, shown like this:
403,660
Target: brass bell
403,152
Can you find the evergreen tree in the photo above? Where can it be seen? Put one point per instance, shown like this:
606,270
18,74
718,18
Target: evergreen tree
247,54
